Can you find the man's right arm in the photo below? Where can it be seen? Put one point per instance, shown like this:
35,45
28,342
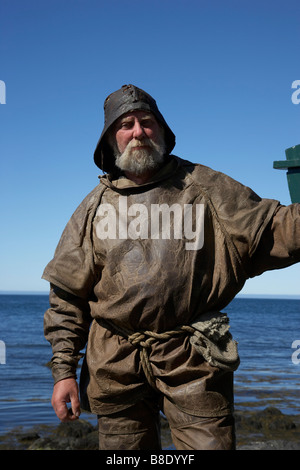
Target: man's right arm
66,327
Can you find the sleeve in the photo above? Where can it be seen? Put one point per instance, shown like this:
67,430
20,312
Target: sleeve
264,234
279,244
73,268
66,327
72,274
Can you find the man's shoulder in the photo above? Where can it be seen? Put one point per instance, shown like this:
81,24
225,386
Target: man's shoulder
214,183
201,173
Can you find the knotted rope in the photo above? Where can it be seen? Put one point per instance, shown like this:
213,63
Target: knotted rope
144,340
208,333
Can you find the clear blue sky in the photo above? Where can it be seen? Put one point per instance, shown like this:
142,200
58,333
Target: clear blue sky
221,72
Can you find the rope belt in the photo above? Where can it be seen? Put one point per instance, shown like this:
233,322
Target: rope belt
144,340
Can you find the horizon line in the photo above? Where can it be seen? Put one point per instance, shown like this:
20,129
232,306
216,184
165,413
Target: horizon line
239,295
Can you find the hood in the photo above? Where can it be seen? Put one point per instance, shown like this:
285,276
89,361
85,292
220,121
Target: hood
128,98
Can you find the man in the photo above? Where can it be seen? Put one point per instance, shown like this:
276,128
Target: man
141,273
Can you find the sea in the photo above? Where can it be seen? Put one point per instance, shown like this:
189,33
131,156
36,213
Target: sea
267,331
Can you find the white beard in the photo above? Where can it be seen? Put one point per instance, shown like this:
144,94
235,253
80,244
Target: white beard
142,160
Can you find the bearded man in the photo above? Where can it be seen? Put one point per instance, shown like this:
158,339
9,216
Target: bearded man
140,276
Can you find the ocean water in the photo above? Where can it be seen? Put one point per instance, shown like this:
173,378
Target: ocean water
266,331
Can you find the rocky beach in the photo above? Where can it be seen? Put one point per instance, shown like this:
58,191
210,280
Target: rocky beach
268,429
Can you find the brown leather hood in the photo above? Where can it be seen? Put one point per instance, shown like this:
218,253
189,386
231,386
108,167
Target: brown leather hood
128,98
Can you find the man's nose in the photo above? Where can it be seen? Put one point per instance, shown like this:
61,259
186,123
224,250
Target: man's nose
138,131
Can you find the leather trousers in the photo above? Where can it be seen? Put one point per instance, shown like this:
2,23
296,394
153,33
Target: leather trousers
138,428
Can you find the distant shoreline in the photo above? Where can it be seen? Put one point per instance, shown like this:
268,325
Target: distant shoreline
239,296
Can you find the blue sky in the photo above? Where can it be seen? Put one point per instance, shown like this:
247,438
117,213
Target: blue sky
221,72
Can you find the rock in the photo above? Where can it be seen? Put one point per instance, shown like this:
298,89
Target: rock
269,419
268,429
74,429
272,418
43,444
271,445
73,435
28,436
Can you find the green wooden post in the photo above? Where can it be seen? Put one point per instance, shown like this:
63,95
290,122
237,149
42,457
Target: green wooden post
292,165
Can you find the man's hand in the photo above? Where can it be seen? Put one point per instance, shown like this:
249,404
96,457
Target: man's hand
66,391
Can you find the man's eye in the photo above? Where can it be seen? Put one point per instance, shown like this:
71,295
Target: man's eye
146,122
126,125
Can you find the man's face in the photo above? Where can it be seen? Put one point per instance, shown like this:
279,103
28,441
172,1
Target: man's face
136,125
138,141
